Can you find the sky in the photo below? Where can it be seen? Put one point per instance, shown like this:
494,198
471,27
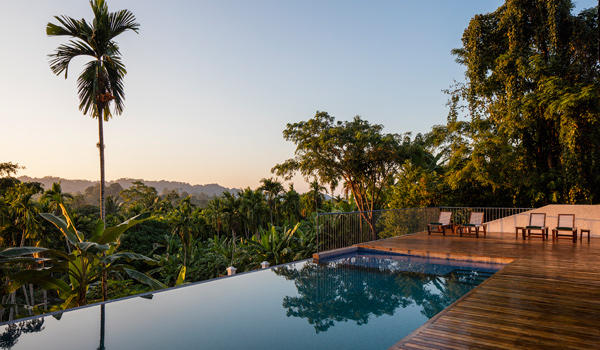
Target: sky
211,85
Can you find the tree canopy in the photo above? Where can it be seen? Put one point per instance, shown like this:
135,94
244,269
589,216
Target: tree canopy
354,152
531,100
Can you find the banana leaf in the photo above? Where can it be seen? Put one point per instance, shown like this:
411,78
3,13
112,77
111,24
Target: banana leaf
73,238
112,233
126,255
18,251
181,277
142,277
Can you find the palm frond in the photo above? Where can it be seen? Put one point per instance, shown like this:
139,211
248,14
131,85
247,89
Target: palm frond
63,55
87,87
115,72
70,27
102,79
122,21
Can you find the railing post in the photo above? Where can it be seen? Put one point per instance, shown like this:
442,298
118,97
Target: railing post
317,228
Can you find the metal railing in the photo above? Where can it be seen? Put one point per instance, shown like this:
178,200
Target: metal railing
339,230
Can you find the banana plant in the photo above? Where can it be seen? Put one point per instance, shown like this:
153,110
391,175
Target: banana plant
272,245
170,265
83,266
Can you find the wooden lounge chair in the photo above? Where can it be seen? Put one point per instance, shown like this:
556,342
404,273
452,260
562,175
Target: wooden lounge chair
442,224
566,223
475,223
537,222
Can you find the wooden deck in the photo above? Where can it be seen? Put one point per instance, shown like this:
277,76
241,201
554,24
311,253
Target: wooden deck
547,297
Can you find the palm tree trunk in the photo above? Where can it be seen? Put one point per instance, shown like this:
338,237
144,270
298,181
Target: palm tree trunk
102,207
4,299
13,308
26,298
31,295
23,238
102,176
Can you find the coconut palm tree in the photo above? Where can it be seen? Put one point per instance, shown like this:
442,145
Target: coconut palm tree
102,78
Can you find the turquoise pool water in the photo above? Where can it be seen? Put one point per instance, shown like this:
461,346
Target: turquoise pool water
361,301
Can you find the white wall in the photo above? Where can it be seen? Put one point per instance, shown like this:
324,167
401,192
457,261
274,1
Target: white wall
586,217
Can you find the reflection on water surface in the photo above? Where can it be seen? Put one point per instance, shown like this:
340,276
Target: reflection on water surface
352,302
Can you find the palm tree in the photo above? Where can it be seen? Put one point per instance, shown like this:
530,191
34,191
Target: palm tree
253,208
315,193
291,205
25,211
272,188
102,78
231,211
55,196
214,213
184,222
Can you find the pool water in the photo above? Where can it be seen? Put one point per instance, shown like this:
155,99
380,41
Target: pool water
359,301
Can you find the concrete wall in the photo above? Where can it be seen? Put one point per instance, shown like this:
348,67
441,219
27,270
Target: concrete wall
586,217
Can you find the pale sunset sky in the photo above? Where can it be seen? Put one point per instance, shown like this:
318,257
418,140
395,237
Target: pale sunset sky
211,85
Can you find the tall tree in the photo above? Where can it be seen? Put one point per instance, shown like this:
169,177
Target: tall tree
102,78
354,152
215,213
253,209
290,203
533,99
185,223
272,188
7,170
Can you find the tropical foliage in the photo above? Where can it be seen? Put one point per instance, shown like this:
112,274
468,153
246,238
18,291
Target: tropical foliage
522,130
524,127
54,249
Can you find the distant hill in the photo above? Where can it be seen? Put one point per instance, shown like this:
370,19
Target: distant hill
74,186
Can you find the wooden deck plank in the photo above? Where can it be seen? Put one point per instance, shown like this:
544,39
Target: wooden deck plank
548,297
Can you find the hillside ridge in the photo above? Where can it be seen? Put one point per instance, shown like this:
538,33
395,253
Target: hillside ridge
75,186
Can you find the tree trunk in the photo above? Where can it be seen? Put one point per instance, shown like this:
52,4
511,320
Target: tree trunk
23,238
102,207
26,298
13,308
31,295
102,176
4,300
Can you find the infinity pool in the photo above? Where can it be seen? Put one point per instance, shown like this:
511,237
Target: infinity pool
364,300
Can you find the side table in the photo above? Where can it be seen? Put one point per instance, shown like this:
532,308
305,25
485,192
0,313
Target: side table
581,235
